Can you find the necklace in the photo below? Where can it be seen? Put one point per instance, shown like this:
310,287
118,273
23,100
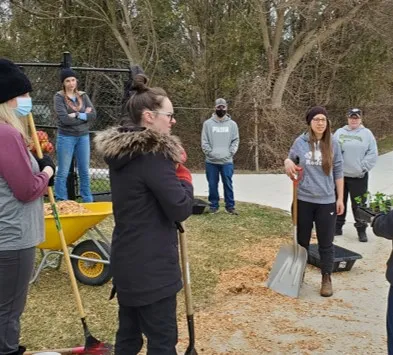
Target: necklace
71,104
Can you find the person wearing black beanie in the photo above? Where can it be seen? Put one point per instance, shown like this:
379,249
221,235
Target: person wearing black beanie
318,156
23,182
316,110
13,82
67,73
75,112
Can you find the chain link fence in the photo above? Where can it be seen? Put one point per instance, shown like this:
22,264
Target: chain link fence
105,87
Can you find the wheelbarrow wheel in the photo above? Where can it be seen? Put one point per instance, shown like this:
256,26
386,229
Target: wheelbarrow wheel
88,272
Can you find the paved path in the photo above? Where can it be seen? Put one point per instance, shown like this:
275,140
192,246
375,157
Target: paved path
364,287
275,189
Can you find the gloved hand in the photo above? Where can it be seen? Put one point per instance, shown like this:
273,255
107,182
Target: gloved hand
183,173
47,161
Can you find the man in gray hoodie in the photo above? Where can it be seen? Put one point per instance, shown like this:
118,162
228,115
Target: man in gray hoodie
360,152
220,141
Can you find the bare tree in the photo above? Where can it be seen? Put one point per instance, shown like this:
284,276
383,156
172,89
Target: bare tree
292,29
130,23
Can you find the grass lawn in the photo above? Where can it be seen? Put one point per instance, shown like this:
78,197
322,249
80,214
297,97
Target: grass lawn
385,145
51,319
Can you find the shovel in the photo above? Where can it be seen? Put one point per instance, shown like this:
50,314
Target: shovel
92,345
287,272
187,290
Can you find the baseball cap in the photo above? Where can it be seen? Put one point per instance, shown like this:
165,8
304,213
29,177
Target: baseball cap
221,102
355,112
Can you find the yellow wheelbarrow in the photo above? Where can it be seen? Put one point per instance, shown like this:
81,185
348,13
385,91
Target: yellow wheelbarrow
89,258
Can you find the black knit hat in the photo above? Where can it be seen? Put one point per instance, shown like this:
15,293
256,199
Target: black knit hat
13,82
67,73
316,110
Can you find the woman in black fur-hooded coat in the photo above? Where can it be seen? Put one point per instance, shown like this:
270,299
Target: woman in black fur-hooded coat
151,189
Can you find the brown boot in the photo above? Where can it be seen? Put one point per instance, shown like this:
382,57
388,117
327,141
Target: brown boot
326,287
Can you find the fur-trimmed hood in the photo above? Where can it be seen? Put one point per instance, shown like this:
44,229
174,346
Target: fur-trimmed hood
118,145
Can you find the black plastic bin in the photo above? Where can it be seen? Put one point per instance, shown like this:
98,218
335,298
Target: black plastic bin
343,258
199,206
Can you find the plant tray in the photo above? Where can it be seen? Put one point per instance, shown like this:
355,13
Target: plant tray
199,206
343,258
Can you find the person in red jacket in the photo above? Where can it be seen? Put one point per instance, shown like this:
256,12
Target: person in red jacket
151,190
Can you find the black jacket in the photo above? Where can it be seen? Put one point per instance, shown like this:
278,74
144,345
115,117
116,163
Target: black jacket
383,227
147,199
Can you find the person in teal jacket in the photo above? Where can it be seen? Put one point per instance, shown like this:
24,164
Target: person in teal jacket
360,153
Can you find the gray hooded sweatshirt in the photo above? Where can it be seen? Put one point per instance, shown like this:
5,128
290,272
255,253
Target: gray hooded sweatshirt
359,150
73,126
220,139
315,186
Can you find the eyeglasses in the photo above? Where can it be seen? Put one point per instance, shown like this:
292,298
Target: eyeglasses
317,120
171,115
354,117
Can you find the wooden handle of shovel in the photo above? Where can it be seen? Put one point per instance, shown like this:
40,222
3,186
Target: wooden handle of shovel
58,224
66,351
294,204
186,268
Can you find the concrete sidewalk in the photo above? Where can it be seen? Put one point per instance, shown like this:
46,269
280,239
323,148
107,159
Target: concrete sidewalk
275,190
359,328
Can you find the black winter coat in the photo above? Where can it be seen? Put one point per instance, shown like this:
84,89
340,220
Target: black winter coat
147,199
383,227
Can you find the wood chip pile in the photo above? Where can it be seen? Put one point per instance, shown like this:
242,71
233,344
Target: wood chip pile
66,207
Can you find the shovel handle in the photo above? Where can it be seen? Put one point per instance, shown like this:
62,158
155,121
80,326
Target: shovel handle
294,203
58,223
186,267
294,217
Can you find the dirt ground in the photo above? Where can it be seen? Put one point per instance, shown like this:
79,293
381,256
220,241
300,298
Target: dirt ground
248,318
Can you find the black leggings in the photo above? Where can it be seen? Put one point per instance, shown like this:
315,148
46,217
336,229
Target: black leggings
324,217
354,187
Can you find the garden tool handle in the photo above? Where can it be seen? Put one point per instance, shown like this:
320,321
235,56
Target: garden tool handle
58,224
65,351
294,208
294,202
294,215
186,267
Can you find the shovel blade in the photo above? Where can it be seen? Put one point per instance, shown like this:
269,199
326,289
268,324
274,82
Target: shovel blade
286,275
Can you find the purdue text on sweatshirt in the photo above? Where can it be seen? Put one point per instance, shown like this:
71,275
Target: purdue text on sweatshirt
220,139
316,186
359,150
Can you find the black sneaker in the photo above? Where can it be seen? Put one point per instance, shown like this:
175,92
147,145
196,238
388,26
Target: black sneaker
231,211
213,210
338,231
362,237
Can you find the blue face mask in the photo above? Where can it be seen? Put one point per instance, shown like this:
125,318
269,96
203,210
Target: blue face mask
23,106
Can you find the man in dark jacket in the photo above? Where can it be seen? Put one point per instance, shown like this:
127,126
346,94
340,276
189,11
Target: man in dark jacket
151,190
382,225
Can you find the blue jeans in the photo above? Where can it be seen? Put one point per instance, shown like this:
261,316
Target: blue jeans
66,147
389,321
213,172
